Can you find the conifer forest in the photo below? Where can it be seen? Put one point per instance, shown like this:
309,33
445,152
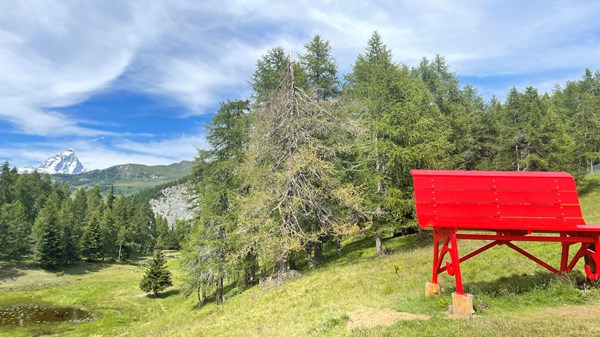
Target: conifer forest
312,157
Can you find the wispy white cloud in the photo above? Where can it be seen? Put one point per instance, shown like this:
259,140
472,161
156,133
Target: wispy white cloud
97,153
56,54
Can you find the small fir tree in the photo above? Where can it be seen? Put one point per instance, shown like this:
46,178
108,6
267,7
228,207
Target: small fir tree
92,238
157,276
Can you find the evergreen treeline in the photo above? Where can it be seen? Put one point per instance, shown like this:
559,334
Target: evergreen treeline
40,218
308,160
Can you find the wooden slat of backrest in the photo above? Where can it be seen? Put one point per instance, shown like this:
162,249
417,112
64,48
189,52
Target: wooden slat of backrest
528,223
484,196
516,183
500,210
486,200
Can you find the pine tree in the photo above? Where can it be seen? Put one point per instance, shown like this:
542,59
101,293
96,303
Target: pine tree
14,230
320,68
109,233
157,277
92,238
143,226
532,137
110,197
124,238
80,211
268,74
47,234
70,235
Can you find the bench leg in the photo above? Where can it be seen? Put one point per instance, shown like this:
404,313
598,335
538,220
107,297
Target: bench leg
592,261
564,257
450,246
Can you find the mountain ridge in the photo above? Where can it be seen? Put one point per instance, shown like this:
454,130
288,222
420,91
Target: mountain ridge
129,178
65,162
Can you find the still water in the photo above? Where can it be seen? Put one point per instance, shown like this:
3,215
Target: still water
22,315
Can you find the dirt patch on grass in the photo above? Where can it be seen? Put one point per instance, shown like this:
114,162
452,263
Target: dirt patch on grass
368,318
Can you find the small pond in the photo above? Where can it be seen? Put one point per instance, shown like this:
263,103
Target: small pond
23,315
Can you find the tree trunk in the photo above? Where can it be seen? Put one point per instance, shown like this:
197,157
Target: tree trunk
200,295
263,275
318,253
309,260
282,266
250,272
219,291
338,247
421,234
120,254
378,249
292,263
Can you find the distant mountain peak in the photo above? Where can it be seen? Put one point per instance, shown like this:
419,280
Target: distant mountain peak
62,163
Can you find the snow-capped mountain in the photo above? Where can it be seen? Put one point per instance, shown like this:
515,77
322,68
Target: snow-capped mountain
62,163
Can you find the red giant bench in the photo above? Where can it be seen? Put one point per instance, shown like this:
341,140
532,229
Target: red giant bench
502,207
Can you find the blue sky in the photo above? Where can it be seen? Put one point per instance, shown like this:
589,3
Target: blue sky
135,81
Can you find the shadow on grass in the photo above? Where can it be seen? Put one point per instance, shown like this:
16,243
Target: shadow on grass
165,294
515,284
83,268
16,268
587,186
10,271
365,247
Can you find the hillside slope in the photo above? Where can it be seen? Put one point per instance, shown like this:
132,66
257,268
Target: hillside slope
356,294
129,178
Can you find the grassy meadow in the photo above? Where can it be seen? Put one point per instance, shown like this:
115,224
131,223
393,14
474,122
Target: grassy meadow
356,294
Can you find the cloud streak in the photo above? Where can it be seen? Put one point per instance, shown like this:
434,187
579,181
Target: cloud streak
56,54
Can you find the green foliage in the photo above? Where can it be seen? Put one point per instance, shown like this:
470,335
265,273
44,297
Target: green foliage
71,234
92,238
15,230
532,136
157,277
211,239
320,68
402,130
47,234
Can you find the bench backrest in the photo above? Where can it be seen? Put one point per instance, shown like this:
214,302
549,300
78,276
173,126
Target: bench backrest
496,200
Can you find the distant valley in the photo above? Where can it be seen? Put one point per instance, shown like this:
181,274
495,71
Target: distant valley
128,179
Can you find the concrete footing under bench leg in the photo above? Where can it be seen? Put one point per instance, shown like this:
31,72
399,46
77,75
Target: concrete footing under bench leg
462,305
432,289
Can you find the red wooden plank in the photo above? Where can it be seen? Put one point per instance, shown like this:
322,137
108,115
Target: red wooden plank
490,196
496,183
487,173
498,210
492,223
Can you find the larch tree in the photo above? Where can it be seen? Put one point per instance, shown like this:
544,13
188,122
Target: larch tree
211,241
290,175
403,129
321,69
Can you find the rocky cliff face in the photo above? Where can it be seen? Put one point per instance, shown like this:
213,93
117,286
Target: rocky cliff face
173,204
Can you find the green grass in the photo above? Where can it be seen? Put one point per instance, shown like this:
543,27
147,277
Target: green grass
513,296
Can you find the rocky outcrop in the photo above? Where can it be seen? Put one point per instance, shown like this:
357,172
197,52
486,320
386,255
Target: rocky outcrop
173,204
